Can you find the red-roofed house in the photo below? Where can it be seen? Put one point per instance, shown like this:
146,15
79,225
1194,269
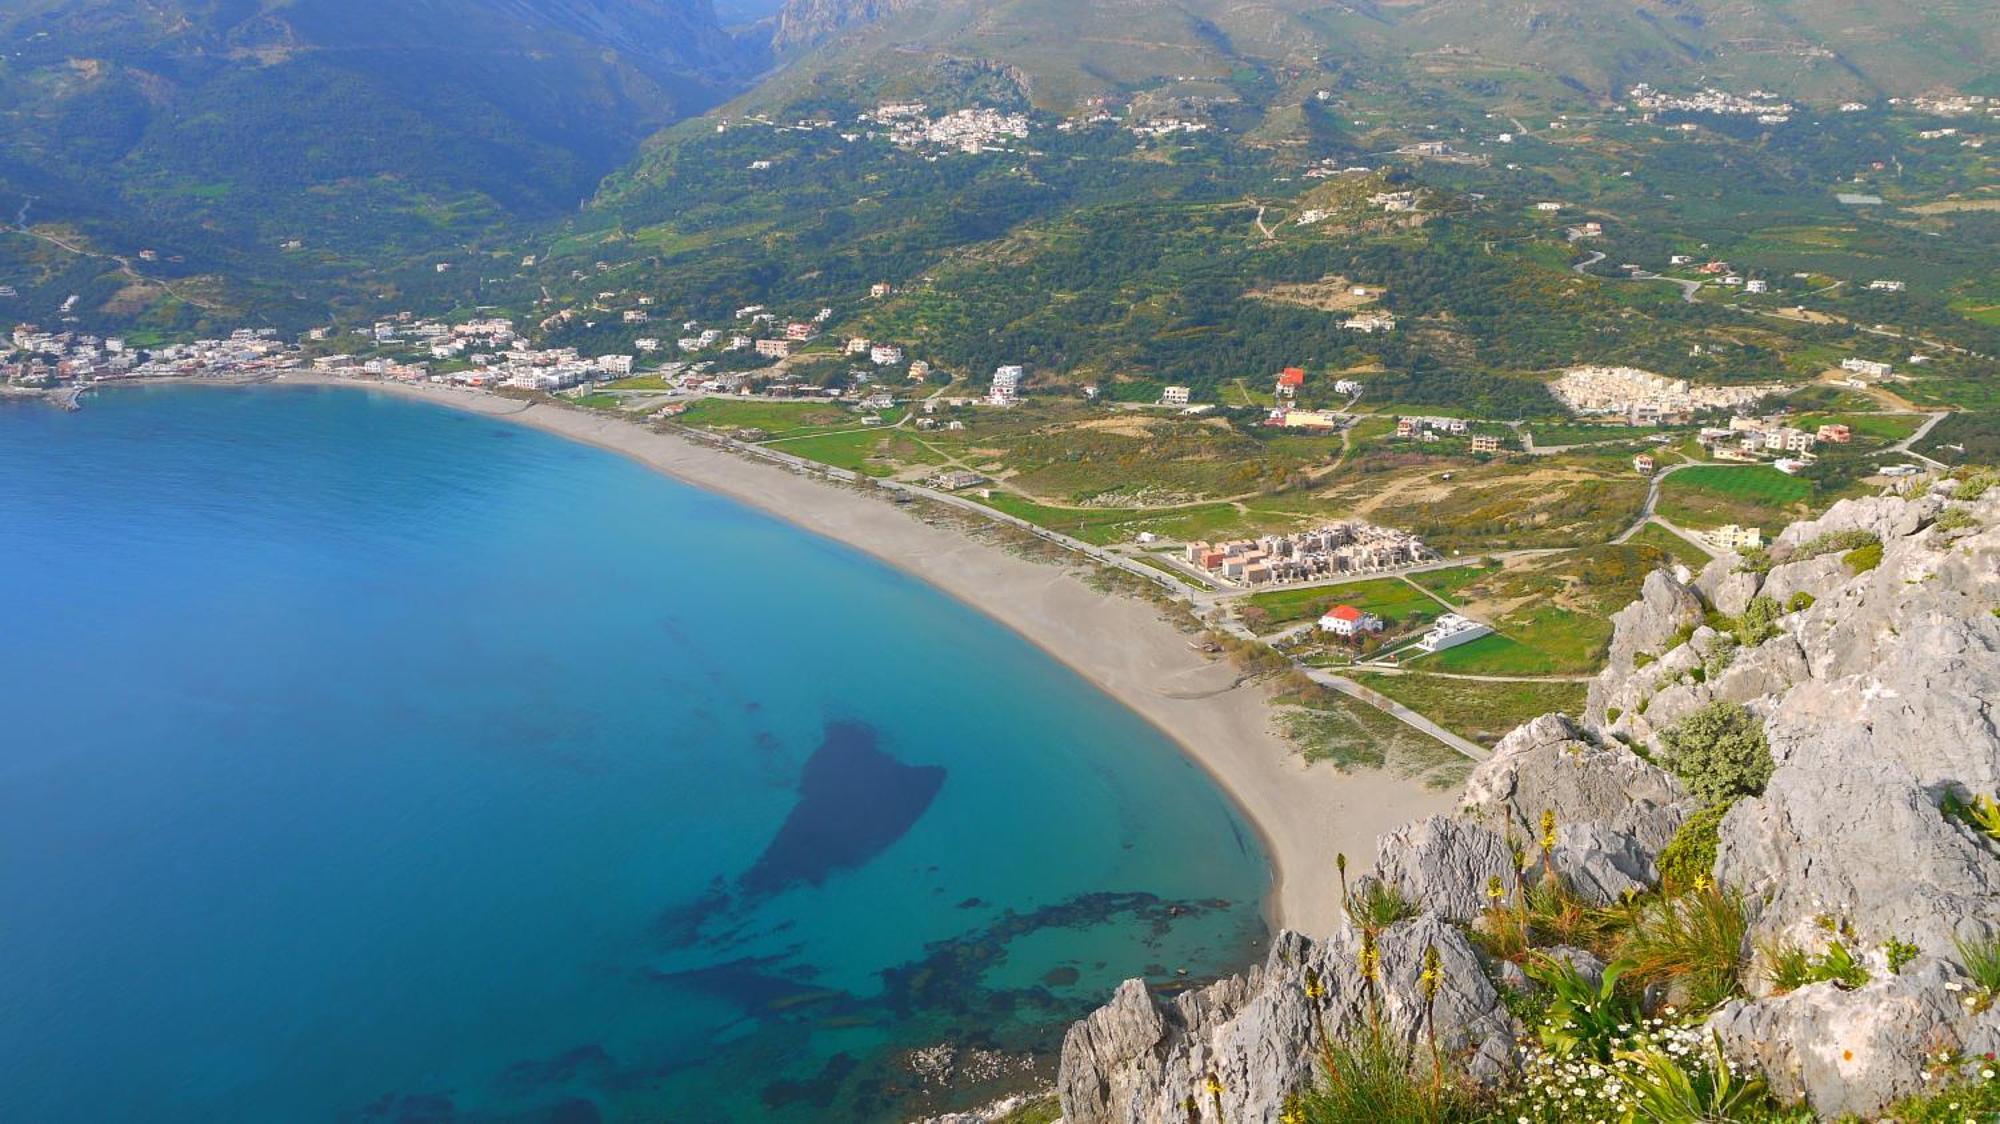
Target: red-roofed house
1289,382
1346,620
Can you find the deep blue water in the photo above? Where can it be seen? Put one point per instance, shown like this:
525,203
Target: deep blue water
360,760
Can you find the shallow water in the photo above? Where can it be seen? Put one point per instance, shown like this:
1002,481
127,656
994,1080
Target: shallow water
363,760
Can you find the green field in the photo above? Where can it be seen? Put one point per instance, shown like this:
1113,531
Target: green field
1552,613
1676,547
1106,526
776,419
874,452
1886,428
1489,655
1479,712
1392,599
1550,435
1448,583
640,382
1711,495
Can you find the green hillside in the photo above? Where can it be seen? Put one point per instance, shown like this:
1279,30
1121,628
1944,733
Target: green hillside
272,139
1064,52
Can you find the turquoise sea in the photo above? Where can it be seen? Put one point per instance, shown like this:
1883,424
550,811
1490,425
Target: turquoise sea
365,761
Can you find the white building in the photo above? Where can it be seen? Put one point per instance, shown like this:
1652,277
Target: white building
1175,396
1346,620
1730,538
1007,385
1450,631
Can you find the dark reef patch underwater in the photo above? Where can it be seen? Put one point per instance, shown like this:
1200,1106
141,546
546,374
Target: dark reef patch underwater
854,802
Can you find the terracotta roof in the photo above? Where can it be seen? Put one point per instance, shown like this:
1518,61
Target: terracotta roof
1344,613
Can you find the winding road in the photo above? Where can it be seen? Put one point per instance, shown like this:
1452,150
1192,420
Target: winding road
125,265
1688,288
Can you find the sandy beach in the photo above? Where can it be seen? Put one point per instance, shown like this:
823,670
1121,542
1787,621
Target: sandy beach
1122,645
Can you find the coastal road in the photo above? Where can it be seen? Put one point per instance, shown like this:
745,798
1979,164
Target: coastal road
1398,711
1390,669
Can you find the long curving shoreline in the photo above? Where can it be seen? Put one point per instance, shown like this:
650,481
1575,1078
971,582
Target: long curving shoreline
1123,646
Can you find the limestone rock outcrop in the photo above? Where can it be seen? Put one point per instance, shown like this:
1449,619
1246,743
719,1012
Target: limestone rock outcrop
1876,692
1137,1060
1853,1052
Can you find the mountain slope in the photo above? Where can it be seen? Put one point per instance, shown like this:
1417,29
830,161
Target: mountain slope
228,127
1815,49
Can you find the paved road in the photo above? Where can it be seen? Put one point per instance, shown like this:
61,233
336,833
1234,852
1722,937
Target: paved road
1688,288
1387,669
124,264
1652,501
1908,446
1398,711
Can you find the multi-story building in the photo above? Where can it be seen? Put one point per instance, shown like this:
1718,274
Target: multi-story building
1007,385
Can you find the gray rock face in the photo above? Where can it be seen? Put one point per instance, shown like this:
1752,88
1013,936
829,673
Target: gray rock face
1445,865
1135,1061
1613,810
1726,587
1815,577
1862,845
1886,517
1888,687
807,23
1854,1052
1664,608
1642,632
1879,701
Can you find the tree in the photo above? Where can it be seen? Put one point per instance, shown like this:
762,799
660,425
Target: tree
1720,753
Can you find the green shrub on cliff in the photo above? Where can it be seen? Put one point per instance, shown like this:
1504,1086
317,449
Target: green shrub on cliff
1371,1075
1689,857
1975,1097
1719,752
1694,944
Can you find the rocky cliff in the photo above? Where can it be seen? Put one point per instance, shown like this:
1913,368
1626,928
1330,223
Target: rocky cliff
1866,645
803,24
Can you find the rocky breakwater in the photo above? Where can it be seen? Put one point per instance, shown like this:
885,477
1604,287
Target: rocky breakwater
1801,743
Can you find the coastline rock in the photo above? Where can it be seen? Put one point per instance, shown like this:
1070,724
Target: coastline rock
1444,865
1726,587
1613,809
1854,1052
1136,1060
